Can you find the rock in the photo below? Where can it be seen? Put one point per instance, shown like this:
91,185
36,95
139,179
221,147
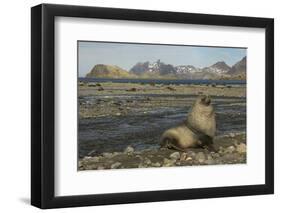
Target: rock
95,159
117,103
200,157
191,154
147,161
139,156
214,154
209,157
100,89
232,135
178,163
183,156
100,168
132,90
80,164
92,85
210,162
142,166
229,157
91,153
171,88
129,150
107,155
118,114
241,148
175,156
116,165
168,162
230,149
221,150
188,159
115,153
157,164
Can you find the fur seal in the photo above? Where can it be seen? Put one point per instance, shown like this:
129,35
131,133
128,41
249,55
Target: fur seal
198,129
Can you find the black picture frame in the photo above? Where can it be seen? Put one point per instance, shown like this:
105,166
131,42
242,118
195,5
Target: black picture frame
43,102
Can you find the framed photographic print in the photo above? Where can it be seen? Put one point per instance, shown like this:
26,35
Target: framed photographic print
139,106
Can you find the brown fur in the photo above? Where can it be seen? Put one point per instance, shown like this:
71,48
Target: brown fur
198,130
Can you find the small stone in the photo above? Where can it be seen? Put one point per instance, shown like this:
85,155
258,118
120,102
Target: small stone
132,89
171,88
175,156
80,164
139,156
100,168
232,135
115,153
142,166
147,161
230,149
210,162
188,159
200,157
183,156
221,150
115,165
215,155
118,114
178,163
209,157
129,150
95,159
241,148
191,154
168,162
157,164
229,157
107,155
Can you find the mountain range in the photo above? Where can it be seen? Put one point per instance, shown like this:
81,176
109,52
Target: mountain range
158,69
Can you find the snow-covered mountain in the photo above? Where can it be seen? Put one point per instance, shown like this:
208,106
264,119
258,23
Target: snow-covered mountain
159,69
217,70
220,68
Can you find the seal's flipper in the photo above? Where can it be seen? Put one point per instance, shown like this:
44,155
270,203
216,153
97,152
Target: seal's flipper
205,139
170,143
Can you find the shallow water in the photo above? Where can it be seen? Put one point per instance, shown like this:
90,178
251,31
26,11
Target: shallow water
143,131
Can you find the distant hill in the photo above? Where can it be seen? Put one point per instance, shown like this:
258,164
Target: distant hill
220,68
239,67
108,71
158,69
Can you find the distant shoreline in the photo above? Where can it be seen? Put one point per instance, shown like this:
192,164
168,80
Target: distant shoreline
163,81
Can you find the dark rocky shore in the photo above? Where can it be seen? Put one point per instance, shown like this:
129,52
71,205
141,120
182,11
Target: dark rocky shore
230,150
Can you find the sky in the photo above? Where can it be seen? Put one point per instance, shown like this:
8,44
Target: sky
126,55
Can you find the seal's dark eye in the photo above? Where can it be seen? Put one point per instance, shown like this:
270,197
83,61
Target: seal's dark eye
205,100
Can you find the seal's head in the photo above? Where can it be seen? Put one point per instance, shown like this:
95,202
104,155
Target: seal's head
205,100
202,115
203,106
